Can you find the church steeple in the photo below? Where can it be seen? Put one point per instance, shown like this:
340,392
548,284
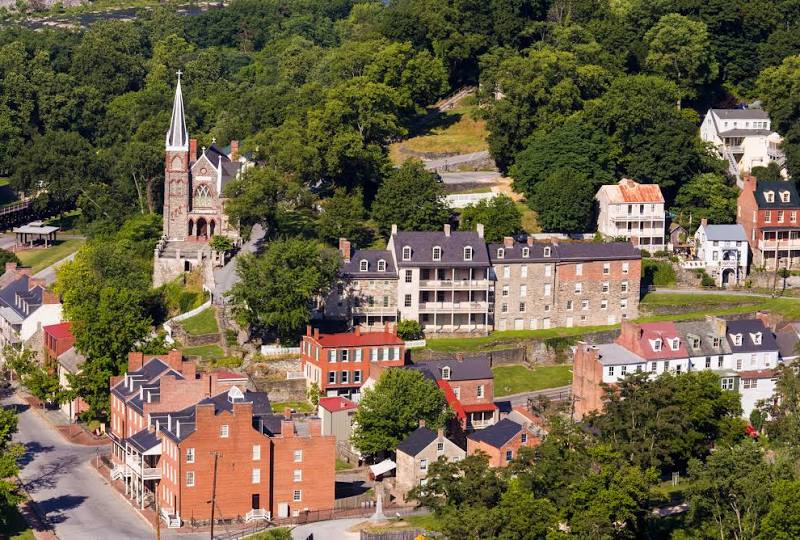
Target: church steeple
178,136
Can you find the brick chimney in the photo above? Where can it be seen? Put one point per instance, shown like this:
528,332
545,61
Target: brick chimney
287,428
530,240
316,334
447,229
357,330
192,150
440,433
460,357
308,330
629,335
394,228
189,370
11,266
175,360
766,318
508,242
135,361
234,150
49,297
287,413
703,222
749,182
36,282
344,249
421,422
315,427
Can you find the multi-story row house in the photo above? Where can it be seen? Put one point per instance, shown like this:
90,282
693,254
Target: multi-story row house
452,281
744,138
743,353
176,433
340,363
543,285
61,356
25,306
723,251
632,211
769,212
416,452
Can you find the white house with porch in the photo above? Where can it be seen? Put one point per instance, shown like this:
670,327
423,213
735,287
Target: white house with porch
744,138
723,251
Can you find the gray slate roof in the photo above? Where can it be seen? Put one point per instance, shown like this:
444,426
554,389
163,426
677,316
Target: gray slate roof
777,187
497,434
468,369
417,441
747,327
705,331
351,269
616,355
787,339
741,114
514,253
71,359
144,440
565,251
422,243
725,233
739,132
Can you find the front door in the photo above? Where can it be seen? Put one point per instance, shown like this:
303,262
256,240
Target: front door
256,501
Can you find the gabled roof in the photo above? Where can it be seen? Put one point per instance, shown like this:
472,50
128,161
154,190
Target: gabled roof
597,251
725,233
59,331
705,332
611,354
741,114
144,440
71,360
222,402
649,335
776,187
351,339
335,404
513,253
748,329
497,434
630,191
423,242
352,268
417,441
467,369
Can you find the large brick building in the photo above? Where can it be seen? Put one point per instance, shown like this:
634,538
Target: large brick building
769,211
453,282
170,424
502,441
340,363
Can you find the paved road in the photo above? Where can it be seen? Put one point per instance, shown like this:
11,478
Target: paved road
49,273
522,398
479,177
452,161
225,277
76,500
324,530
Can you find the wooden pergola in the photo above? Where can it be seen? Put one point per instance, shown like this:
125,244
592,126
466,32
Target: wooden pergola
35,232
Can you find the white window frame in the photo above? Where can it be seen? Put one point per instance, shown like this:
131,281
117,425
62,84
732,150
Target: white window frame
297,495
406,253
256,452
468,253
381,265
297,475
255,476
224,431
501,253
298,456
436,253
189,478
190,455
363,266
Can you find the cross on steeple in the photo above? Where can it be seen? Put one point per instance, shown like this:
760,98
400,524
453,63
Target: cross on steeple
213,140
179,73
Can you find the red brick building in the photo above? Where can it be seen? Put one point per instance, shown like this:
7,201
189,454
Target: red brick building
770,215
501,441
340,363
169,424
57,340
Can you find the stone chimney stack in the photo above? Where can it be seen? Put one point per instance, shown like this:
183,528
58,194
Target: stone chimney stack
479,229
421,422
508,242
344,249
530,240
703,222
447,229
234,150
192,150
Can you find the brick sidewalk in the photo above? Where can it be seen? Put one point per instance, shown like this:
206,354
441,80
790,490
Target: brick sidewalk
72,433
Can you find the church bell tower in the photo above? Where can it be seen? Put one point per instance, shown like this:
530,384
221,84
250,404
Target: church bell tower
176,173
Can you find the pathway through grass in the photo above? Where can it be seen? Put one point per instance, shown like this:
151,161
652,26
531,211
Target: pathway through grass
40,258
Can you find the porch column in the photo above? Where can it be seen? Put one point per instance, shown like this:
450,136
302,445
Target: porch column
141,468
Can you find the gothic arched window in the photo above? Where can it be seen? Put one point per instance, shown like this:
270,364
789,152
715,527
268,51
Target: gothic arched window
202,197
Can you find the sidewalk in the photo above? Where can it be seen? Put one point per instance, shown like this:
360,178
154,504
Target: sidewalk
71,432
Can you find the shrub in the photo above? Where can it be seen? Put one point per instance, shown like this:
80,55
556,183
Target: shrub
661,253
658,273
645,253
707,281
410,330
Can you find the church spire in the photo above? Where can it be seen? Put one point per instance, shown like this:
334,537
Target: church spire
177,136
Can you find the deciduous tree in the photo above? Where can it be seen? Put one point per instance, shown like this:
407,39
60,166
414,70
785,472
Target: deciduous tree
499,215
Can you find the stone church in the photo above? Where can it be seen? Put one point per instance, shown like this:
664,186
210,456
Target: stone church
194,208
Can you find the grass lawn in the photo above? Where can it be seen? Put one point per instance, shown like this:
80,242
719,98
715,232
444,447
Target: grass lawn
16,527
342,465
203,323
676,299
299,406
67,222
530,222
426,521
41,258
515,379
507,338
454,131
206,352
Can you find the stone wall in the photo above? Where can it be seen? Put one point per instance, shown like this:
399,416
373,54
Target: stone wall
285,390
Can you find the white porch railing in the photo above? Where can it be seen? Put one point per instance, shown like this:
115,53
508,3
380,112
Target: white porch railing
257,513
148,473
172,521
277,350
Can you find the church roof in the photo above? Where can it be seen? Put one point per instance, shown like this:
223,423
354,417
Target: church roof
177,135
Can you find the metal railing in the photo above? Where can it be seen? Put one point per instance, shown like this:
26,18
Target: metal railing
257,513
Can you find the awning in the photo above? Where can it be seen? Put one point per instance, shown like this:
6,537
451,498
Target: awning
383,467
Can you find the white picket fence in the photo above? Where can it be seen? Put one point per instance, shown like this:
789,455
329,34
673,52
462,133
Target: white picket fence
182,317
416,344
462,200
277,350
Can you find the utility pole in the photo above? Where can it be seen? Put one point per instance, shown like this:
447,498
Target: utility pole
158,515
214,492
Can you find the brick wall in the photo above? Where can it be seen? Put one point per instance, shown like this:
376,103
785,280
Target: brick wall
468,391
587,374
497,456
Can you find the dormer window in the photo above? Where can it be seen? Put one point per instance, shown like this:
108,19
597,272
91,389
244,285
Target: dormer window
695,342
737,339
769,196
446,373
756,338
437,253
381,266
717,342
784,196
406,253
546,251
468,253
674,344
501,253
656,344
364,266
526,252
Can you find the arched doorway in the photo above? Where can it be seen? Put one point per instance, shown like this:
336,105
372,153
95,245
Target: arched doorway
191,227
212,227
202,228
728,277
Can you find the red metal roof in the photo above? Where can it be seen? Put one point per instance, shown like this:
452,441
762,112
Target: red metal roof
757,374
478,407
60,330
633,192
224,374
452,400
642,344
333,404
351,339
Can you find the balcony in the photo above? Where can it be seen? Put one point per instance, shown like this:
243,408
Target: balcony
457,284
453,307
772,245
146,473
736,149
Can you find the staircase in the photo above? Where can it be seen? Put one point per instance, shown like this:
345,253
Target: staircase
733,167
